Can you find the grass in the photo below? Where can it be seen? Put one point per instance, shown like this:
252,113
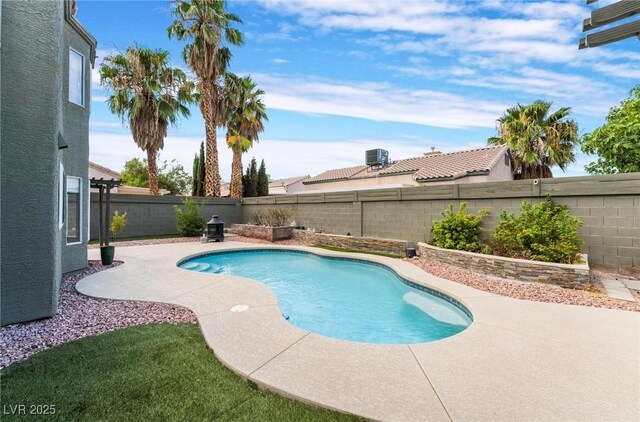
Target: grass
128,239
336,249
152,372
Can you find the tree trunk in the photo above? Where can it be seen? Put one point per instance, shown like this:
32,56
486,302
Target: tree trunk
235,190
153,171
212,173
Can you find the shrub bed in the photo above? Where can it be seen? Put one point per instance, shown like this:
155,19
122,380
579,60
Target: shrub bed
544,232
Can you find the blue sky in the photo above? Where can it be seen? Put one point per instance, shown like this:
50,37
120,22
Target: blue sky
344,76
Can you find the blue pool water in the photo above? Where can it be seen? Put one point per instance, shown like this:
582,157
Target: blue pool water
342,298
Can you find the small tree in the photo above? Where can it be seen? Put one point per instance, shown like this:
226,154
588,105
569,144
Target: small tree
171,176
543,232
617,142
263,181
190,222
250,180
118,223
458,229
197,187
194,178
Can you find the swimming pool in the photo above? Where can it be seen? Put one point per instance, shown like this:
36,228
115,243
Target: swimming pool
344,298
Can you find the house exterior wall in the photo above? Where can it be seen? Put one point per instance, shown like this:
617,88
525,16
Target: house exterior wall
501,171
296,187
76,157
31,87
405,179
35,37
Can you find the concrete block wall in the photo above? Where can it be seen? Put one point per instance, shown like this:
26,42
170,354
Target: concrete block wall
609,207
156,215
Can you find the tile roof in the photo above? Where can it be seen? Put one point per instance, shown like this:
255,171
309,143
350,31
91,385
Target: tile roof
287,181
432,166
336,174
460,163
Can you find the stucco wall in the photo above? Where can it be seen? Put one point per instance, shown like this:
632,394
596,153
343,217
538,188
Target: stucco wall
609,207
156,215
31,85
76,156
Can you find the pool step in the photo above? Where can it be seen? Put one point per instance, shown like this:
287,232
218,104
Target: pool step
202,267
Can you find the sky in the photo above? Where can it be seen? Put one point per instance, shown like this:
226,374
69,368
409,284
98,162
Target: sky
344,76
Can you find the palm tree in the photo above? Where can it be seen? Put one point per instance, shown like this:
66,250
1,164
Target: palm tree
150,95
537,140
205,23
245,117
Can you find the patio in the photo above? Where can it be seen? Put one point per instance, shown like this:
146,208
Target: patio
519,360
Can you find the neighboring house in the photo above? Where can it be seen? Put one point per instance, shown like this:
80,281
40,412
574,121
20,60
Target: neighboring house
96,171
46,58
490,164
100,172
287,186
224,189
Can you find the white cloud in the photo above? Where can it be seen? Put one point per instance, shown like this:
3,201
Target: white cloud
280,61
521,33
584,95
376,101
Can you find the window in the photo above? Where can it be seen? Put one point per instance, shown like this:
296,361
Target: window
76,77
61,198
74,207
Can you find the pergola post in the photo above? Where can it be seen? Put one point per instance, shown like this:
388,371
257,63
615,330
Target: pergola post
103,185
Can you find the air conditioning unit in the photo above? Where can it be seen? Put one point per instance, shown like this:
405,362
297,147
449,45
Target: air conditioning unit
377,157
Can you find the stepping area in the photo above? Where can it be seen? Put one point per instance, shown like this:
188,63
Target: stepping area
519,360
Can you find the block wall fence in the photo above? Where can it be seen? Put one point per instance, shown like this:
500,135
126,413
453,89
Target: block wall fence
609,207
156,215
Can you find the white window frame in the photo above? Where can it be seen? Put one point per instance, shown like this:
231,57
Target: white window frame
62,198
84,79
80,205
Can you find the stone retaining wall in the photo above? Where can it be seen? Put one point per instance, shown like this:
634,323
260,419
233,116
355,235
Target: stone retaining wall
575,276
368,244
271,234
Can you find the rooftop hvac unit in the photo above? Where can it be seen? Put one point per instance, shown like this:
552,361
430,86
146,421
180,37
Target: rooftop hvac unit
377,157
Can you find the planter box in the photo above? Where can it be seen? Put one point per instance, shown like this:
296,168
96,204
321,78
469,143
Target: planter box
271,234
367,244
574,276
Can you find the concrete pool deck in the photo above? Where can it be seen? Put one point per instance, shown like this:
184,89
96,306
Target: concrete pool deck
519,360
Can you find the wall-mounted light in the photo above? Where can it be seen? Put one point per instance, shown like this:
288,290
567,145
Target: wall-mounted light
61,142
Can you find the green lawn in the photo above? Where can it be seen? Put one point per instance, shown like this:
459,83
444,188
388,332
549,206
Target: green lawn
153,372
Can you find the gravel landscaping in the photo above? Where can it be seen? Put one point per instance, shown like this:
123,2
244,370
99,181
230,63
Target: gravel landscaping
81,316
537,292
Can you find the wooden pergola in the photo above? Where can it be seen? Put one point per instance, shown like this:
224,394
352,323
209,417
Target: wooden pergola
102,186
606,15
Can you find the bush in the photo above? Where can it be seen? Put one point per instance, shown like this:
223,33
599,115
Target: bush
458,230
118,223
190,222
543,232
272,217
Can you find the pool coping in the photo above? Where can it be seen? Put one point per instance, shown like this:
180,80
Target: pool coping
517,360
